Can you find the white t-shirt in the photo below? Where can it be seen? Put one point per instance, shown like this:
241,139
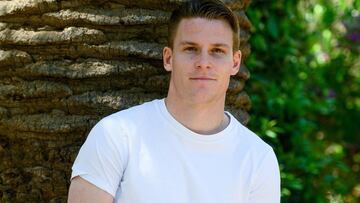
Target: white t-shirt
143,155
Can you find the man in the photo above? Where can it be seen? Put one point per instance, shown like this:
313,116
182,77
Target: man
183,148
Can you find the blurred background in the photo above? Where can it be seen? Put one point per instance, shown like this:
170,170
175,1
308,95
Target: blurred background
305,93
66,64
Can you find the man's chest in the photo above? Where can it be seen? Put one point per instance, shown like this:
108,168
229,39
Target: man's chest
173,172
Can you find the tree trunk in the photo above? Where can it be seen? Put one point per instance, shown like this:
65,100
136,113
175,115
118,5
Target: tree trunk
66,64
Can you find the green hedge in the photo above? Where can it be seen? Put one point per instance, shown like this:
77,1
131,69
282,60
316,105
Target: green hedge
305,92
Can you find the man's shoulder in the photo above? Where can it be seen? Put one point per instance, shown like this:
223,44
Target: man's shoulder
131,116
251,139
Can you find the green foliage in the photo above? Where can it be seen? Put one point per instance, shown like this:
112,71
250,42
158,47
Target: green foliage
305,90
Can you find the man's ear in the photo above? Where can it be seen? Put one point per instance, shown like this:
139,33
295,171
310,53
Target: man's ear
167,58
237,62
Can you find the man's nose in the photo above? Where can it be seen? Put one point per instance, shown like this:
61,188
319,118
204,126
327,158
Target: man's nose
203,60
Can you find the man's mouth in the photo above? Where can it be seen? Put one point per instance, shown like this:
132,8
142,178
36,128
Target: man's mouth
202,78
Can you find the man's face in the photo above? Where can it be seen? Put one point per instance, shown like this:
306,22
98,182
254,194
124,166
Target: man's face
201,61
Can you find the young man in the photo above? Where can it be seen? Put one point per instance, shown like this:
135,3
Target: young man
183,148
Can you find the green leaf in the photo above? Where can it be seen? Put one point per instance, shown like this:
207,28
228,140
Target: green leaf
273,27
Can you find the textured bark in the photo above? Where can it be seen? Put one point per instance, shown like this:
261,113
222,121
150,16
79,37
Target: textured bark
66,64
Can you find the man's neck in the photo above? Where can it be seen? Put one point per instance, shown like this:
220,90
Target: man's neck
205,119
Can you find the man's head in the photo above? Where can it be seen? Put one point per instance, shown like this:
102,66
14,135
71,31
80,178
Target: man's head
208,9
201,55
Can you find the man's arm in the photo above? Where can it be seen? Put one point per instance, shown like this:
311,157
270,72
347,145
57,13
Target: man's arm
266,185
83,191
98,168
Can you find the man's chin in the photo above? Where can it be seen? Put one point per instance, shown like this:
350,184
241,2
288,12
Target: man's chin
200,98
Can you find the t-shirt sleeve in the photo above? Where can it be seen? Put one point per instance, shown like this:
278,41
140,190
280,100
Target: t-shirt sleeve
103,157
266,184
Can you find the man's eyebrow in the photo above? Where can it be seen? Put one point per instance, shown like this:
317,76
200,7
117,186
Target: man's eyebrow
183,43
221,45
188,43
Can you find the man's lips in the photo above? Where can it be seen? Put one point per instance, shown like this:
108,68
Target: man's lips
202,78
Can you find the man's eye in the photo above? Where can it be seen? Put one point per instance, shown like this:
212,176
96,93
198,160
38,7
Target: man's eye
218,51
190,49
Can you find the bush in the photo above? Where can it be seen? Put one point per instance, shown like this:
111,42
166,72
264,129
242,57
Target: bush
305,91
